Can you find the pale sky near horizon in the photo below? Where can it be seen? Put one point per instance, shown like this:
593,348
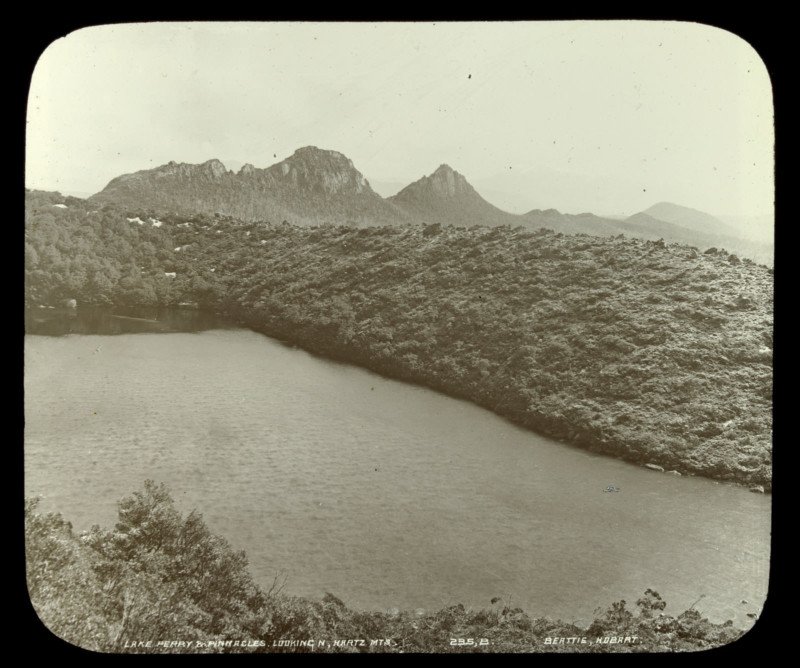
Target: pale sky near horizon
608,116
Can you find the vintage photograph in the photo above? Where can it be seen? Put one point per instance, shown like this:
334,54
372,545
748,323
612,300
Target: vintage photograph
398,337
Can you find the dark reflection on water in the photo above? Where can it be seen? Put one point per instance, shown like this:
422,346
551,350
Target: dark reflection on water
120,320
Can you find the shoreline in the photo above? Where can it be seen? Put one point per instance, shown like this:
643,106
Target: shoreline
606,449
573,435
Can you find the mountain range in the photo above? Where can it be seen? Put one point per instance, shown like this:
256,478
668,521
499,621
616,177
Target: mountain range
316,186
310,187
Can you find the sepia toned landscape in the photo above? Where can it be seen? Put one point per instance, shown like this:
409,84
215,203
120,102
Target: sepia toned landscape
293,408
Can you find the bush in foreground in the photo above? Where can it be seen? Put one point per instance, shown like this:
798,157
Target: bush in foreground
160,577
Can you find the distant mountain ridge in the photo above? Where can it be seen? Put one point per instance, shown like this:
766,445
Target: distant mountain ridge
316,186
310,187
692,219
700,229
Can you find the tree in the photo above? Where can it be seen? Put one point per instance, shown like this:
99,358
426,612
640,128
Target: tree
171,573
155,575
64,590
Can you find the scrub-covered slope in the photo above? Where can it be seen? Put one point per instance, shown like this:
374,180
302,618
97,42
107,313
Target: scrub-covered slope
653,352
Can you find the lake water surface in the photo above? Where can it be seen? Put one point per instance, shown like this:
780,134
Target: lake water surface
383,493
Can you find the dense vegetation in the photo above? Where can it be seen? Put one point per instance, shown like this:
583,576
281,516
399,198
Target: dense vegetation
161,576
654,352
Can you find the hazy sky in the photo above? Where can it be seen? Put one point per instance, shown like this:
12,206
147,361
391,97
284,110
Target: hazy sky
609,117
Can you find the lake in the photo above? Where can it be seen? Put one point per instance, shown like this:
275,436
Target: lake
380,492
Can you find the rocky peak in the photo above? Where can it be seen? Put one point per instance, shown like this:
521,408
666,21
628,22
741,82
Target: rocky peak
214,168
445,183
246,169
329,172
314,153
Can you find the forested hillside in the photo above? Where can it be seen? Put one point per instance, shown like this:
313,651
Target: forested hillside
160,582
653,352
